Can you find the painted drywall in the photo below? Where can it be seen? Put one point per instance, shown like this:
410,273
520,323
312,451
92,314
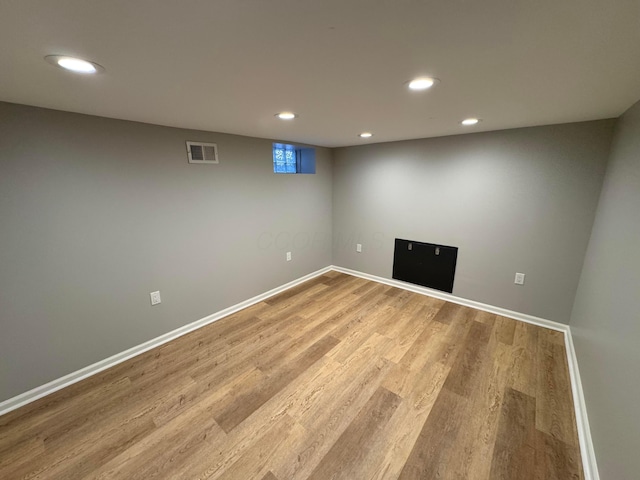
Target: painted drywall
97,213
519,200
605,322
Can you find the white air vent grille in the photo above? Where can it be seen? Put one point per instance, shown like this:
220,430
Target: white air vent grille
202,152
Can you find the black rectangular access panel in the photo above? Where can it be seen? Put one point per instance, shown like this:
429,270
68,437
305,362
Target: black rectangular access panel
425,264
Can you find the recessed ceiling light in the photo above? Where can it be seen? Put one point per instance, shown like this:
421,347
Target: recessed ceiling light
286,115
73,64
470,121
422,83
366,135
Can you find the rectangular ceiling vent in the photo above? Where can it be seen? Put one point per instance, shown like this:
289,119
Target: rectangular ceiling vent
202,152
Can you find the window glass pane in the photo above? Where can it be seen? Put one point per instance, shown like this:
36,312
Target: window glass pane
293,159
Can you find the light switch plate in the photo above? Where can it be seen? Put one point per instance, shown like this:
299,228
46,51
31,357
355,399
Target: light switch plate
359,247
519,279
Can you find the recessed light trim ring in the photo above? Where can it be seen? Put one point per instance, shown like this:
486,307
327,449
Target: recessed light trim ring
286,115
471,121
422,83
75,64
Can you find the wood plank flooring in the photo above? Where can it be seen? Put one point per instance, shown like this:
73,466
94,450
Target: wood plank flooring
337,378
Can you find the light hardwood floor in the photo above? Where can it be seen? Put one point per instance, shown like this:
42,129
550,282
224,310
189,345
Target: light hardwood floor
336,378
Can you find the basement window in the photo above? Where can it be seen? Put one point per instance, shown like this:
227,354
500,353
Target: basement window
293,159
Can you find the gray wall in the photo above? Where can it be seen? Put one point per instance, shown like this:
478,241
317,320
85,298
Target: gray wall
97,213
519,200
605,322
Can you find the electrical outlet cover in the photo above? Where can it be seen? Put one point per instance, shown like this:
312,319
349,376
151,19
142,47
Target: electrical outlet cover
155,298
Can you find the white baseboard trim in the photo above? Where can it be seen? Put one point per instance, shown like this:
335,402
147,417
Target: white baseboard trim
587,451
523,317
584,434
74,377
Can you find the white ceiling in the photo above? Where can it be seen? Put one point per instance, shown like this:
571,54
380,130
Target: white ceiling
341,65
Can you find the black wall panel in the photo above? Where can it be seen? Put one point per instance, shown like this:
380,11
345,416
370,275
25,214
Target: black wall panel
425,264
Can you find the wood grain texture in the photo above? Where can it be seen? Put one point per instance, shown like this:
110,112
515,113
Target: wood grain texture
344,461
515,450
339,377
